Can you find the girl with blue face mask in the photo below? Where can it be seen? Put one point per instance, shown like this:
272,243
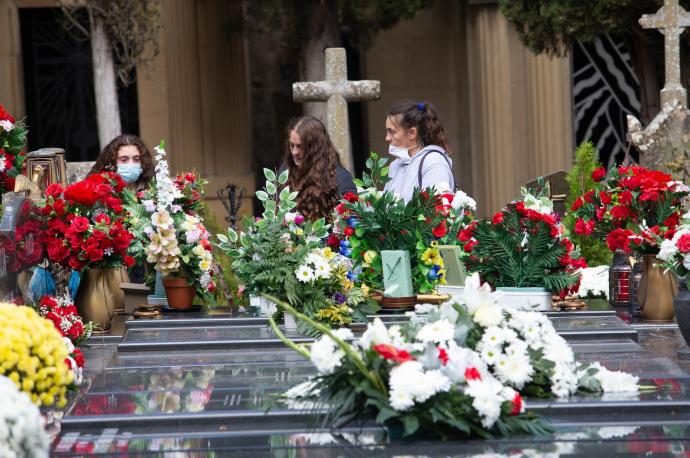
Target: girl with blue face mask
418,143
130,158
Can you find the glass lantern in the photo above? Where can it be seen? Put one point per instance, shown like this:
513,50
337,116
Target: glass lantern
619,279
635,277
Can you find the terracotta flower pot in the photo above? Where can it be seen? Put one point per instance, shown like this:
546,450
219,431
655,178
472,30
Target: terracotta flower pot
180,294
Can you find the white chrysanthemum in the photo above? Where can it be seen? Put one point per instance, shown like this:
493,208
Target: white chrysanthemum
442,188
515,370
322,269
490,354
304,274
459,359
325,353
438,331
486,399
556,349
409,381
22,431
488,315
594,281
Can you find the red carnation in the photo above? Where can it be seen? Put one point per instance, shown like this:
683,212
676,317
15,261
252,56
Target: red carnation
440,230
625,198
577,204
583,227
75,331
443,356
349,231
683,243
621,212
605,197
619,239
497,219
189,177
333,241
589,197
392,353
469,246
351,197
340,208
517,404
598,174
129,261
471,373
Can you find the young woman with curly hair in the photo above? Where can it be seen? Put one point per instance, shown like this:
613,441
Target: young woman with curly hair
416,139
314,168
128,156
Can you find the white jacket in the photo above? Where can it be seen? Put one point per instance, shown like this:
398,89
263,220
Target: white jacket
404,173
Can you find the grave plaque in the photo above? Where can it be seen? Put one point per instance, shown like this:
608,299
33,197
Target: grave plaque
397,274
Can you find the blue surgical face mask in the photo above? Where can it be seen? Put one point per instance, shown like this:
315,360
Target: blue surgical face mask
129,172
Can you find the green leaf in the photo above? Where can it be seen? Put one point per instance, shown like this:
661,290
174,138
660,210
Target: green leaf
269,174
384,172
284,194
270,187
232,235
282,179
262,196
382,162
385,414
293,195
411,424
359,231
369,163
223,238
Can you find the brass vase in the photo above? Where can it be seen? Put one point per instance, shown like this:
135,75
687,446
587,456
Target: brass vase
99,295
657,289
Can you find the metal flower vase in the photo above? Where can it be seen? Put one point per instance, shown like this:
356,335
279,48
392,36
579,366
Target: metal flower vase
658,287
99,295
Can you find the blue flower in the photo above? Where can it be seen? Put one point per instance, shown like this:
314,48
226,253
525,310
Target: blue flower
436,268
432,275
347,252
344,244
351,276
352,221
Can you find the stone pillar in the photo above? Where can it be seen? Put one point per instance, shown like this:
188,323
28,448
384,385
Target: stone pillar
11,75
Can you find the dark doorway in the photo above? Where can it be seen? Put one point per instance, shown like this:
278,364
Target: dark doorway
58,85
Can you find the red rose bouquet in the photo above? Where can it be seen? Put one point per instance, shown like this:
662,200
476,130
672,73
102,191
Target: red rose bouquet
12,140
523,246
84,223
634,208
26,243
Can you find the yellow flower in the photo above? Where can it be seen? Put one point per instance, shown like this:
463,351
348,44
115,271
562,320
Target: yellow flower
369,256
327,253
33,355
365,290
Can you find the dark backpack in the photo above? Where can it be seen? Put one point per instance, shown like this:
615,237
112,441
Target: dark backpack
421,165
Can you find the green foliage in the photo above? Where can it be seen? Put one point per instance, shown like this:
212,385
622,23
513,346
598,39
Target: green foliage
580,181
550,26
362,19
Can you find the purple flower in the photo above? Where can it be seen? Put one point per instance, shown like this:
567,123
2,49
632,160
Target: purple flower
340,298
299,219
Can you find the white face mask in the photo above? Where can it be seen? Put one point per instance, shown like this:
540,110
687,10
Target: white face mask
400,152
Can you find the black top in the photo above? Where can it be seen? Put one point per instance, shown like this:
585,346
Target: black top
342,178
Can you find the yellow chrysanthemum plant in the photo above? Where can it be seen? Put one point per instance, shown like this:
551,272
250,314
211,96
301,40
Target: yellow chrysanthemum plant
32,355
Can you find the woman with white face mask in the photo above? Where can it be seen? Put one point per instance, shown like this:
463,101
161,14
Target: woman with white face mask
416,139
130,158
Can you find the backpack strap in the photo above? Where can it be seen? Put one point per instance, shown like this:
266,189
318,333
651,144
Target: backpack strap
421,166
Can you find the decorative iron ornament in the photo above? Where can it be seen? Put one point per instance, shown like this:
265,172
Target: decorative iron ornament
232,202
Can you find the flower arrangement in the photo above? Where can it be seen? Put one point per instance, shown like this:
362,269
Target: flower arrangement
171,234
523,246
85,223
375,221
66,319
33,355
281,254
12,140
458,369
22,430
26,243
634,208
675,252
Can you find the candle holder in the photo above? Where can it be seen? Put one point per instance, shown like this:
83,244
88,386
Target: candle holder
619,279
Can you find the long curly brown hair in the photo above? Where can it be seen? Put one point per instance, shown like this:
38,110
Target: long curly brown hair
107,160
316,178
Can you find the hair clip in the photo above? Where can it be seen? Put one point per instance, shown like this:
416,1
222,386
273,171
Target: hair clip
420,105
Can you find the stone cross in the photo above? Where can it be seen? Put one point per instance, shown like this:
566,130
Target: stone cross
663,144
336,91
671,19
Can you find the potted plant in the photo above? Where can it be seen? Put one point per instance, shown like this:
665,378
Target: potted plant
172,236
522,252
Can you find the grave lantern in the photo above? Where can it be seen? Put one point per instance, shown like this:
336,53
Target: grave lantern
46,166
20,245
619,280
